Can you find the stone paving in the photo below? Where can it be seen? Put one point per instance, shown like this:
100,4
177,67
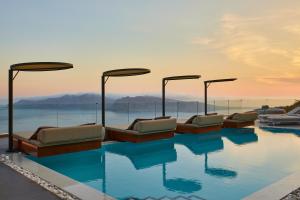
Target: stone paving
14,186
295,195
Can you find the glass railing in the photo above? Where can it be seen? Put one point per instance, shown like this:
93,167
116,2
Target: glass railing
29,117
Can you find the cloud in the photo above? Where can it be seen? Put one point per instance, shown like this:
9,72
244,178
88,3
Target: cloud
286,79
202,41
296,58
267,42
295,29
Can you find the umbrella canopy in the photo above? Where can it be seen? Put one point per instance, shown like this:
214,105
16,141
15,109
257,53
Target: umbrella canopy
126,72
182,77
220,80
173,78
206,85
41,66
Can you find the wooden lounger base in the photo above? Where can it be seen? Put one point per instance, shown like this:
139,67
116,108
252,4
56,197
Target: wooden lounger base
34,150
183,129
127,137
230,124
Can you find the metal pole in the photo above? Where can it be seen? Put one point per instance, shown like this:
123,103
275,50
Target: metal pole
205,98
103,99
10,111
163,98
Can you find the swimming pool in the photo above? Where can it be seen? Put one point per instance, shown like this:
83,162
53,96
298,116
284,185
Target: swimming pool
229,164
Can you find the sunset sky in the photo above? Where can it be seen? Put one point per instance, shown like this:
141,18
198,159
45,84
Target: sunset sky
256,41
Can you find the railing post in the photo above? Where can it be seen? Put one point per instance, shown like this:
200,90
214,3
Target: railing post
214,105
128,111
228,106
155,109
177,105
96,113
56,118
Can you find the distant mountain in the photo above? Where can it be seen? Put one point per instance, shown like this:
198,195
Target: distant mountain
151,103
80,101
124,104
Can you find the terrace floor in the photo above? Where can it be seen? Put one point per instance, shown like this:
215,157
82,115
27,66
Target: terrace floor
14,186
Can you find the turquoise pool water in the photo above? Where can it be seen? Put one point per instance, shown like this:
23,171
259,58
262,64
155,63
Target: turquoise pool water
229,164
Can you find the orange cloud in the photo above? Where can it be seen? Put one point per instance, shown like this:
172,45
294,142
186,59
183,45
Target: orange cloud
267,42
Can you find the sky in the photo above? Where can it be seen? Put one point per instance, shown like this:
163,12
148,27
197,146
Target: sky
256,41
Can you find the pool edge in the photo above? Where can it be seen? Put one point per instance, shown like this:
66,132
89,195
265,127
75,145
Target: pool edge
277,190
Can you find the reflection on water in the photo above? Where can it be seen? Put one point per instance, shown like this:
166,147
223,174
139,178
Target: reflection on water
283,131
241,136
236,161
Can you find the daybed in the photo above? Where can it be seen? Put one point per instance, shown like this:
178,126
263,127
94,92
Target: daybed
48,141
201,124
291,118
142,130
266,110
240,120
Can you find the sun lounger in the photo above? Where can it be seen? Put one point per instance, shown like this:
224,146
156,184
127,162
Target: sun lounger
201,124
240,120
291,118
282,120
143,130
48,141
266,110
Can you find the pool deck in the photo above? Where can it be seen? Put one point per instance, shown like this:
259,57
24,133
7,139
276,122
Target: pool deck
14,186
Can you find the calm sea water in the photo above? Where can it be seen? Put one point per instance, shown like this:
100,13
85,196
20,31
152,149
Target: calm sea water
30,119
229,164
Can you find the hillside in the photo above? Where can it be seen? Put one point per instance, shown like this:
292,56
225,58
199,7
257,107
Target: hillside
133,104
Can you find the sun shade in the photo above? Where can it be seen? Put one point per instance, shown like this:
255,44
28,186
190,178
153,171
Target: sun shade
41,66
126,72
173,78
27,67
182,77
117,73
207,84
220,80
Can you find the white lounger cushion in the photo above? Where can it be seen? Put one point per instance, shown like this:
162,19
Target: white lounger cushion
295,111
271,111
67,134
292,117
149,126
208,120
282,120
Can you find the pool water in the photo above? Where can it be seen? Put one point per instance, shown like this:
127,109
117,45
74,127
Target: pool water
230,164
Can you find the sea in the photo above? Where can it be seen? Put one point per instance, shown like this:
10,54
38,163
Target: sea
29,119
